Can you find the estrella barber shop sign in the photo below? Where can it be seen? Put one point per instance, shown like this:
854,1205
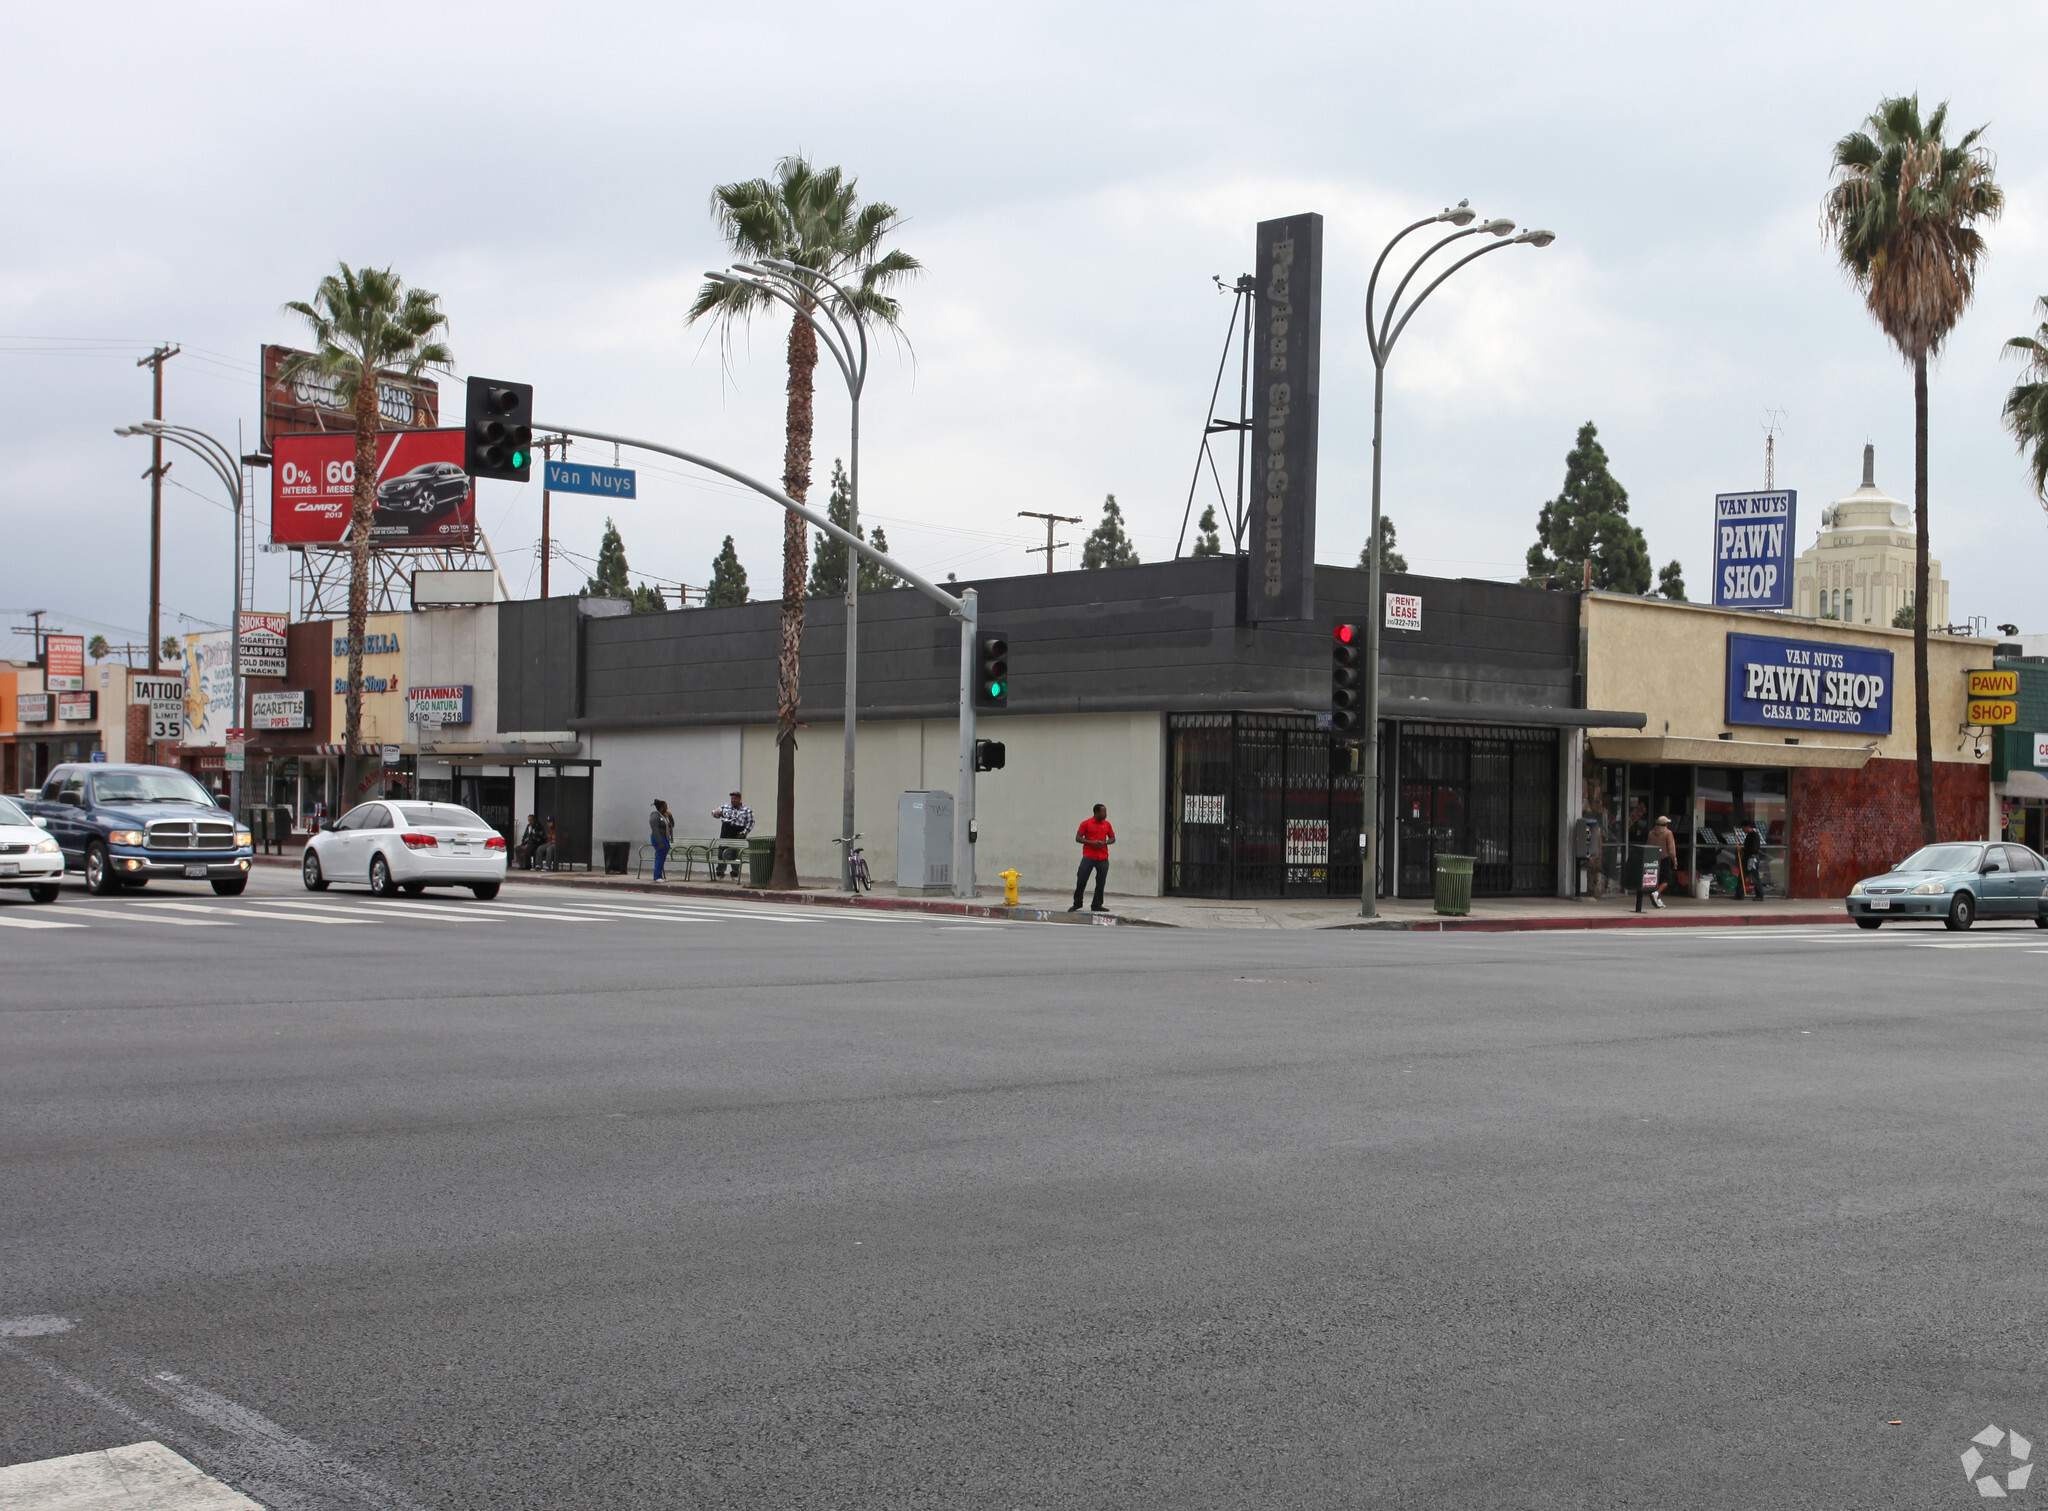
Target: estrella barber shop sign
1753,535
1809,685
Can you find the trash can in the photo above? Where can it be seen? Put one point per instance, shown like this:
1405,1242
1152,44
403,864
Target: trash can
618,854
760,860
1454,884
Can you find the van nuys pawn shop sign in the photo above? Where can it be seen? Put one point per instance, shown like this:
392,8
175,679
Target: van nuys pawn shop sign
1809,685
1753,549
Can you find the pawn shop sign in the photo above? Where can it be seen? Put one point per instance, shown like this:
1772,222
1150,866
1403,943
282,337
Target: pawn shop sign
1994,698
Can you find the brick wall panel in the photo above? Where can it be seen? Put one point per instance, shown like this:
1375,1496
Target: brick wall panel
1847,825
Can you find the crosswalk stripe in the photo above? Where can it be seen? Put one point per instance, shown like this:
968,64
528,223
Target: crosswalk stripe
118,915
37,923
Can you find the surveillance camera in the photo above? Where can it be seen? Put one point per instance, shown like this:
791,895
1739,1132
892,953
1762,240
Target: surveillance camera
1979,750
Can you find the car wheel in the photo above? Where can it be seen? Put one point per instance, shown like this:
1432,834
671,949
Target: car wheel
46,893
310,870
100,879
413,888
1869,923
230,886
1962,912
2041,920
485,890
381,884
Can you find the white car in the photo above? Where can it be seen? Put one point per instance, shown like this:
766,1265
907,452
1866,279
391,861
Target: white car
28,857
401,845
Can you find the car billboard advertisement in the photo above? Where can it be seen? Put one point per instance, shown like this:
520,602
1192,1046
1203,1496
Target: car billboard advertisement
311,402
424,498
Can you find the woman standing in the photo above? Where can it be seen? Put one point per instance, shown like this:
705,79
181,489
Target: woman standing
661,833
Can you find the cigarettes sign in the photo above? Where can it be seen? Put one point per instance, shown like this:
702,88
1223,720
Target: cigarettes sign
423,497
1753,535
263,643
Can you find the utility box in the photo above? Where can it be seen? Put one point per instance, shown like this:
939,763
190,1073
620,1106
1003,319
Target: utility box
924,842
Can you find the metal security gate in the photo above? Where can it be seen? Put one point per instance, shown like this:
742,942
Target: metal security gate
1260,805
1489,793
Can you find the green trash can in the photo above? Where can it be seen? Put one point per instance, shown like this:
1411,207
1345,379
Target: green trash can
1454,885
760,860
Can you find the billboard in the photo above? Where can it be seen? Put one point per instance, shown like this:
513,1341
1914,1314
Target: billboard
64,663
1753,535
1287,356
209,688
311,403
262,643
1809,685
424,498
437,705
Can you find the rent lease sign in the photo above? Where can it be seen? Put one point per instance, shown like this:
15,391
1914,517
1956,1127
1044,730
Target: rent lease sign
1811,685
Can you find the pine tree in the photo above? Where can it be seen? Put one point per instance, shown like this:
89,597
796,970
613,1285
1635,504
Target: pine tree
828,557
648,600
1108,546
874,577
1589,519
1208,542
728,579
610,581
1390,559
1671,582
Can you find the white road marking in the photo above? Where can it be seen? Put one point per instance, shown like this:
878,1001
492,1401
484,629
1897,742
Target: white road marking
178,907
113,912
141,1474
36,923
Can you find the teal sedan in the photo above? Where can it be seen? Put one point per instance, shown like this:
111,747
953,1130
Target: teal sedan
1957,883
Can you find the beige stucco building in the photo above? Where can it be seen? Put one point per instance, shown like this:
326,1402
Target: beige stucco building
1860,570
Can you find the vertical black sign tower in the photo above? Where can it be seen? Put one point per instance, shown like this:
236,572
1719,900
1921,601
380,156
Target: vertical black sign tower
1287,357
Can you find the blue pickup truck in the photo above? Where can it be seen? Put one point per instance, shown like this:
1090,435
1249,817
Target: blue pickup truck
124,826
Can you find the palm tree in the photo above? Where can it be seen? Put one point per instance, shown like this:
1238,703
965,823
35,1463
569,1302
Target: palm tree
1902,214
364,321
812,217
2026,407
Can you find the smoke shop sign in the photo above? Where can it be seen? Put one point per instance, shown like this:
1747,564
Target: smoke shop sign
1809,685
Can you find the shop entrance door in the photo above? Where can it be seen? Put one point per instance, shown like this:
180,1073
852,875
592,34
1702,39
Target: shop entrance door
1432,814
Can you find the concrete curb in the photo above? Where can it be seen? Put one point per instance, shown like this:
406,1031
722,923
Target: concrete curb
1626,921
942,906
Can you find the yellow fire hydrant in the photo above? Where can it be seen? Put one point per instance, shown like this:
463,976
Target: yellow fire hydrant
1010,886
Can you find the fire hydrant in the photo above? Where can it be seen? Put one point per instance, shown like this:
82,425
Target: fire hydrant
1010,886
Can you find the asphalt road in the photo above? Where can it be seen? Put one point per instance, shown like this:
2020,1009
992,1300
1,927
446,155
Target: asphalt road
562,1201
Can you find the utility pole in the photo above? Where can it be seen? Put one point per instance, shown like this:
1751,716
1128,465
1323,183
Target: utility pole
155,362
1051,545
38,615
547,548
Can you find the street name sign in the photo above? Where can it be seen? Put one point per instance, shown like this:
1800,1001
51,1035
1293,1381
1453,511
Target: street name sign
582,477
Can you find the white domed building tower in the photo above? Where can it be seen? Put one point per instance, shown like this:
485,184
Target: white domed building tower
1860,570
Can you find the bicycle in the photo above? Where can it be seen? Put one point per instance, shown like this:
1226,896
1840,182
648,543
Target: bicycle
857,870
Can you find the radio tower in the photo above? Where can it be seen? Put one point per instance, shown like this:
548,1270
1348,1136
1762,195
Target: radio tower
1774,421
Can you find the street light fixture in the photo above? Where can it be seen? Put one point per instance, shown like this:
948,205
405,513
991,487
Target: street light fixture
1382,331
222,462
798,287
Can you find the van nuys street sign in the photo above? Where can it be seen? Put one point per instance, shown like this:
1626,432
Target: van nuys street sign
582,477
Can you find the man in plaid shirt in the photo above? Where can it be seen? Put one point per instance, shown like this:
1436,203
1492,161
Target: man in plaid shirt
735,821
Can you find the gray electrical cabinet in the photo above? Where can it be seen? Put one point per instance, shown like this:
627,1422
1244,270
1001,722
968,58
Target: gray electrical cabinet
924,842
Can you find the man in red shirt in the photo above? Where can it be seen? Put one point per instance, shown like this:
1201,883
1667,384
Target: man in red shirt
1094,837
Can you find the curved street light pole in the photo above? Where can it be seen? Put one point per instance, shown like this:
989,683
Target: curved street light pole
223,463
1381,333
786,281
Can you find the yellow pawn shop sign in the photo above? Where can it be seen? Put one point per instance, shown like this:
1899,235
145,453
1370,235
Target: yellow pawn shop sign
1994,698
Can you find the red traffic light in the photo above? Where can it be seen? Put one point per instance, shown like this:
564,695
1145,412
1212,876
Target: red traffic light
1345,633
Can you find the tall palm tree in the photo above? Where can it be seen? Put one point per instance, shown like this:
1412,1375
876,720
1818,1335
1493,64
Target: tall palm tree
1903,213
364,321
2026,407
812,217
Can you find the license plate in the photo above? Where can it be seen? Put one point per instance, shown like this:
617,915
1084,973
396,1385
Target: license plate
196,871
1880,904
9,868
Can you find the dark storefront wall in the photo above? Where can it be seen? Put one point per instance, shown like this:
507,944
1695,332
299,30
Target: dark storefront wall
1269,805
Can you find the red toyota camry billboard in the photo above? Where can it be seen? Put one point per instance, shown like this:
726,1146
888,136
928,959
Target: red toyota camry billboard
424,498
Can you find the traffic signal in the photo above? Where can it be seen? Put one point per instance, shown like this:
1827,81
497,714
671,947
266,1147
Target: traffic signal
992,673
498,440
989,755
1344,648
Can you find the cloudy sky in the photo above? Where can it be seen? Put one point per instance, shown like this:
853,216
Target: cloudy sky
1071,176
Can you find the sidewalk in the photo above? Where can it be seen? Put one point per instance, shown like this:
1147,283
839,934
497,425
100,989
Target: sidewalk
1489,914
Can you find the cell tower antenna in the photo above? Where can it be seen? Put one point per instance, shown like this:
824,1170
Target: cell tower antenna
1773,422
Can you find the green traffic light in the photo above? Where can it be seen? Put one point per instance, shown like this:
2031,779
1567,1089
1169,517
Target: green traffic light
995,689
518,459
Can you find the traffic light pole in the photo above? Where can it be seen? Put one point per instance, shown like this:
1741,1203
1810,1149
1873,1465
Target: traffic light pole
962,608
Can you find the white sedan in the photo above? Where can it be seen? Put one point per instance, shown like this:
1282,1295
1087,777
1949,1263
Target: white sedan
400,845
28,857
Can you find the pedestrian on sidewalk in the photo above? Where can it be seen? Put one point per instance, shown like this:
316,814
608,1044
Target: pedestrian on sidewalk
1094,837
735,821
661,833
544,858
1753,860
530,841
1667,857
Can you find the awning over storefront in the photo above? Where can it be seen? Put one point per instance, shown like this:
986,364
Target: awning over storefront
498,751
1446,711
2026,784
1685,750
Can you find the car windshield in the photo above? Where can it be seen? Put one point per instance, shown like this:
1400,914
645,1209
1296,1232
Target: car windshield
440,816
9,814
149,787
1943,858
